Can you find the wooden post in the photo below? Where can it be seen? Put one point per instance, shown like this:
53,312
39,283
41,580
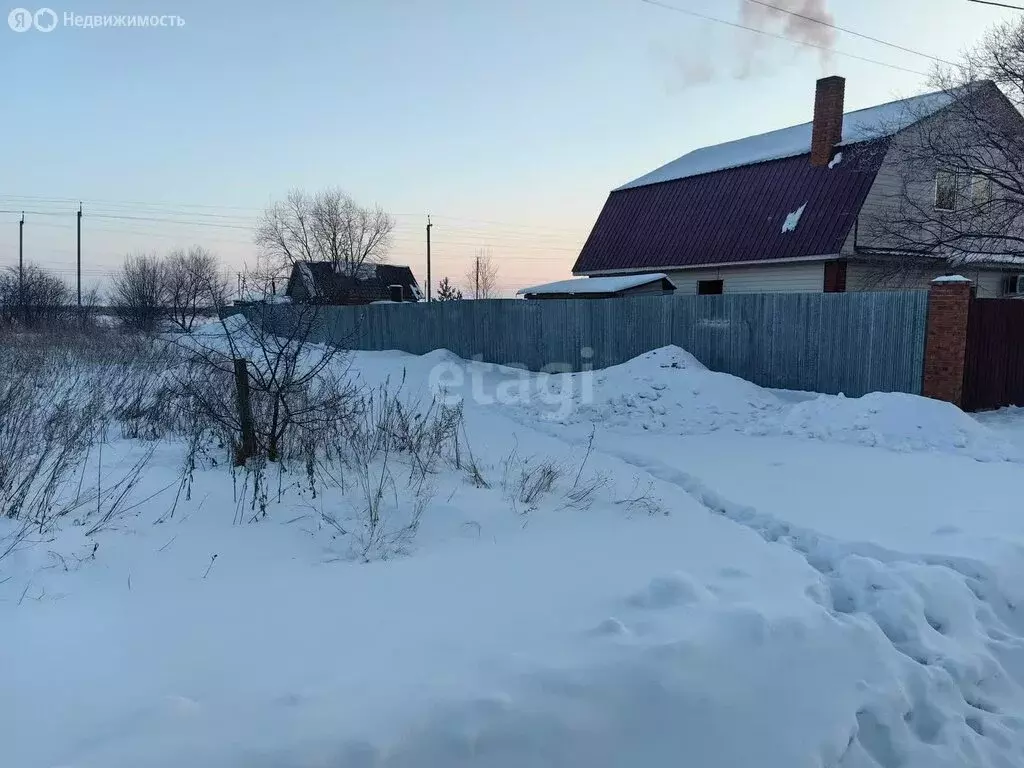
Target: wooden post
247,449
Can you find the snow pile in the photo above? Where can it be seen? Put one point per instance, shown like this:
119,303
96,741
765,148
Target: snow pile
670,391
667,389
898,422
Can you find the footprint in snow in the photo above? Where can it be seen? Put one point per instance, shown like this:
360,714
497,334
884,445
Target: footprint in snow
611,627
668,592
731,572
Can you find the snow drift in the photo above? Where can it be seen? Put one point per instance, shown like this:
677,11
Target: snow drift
670,391
664,622
896,421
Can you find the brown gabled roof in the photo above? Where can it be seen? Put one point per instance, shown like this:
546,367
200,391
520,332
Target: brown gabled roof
734,215
728,203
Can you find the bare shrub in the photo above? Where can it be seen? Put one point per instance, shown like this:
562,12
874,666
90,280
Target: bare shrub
299,389
59,396
139,292
48,422
389,450
526,480
642,500
33,298
470,465
194,284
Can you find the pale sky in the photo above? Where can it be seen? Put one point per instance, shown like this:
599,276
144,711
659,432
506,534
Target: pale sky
506,120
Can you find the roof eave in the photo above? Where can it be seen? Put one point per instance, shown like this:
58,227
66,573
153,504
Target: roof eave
688,267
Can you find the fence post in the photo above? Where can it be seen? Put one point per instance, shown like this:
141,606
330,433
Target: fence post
945,349
247,449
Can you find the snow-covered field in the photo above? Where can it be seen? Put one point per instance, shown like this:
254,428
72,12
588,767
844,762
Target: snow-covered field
651,565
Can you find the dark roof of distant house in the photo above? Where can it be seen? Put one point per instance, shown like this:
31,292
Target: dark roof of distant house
729,203
373,282
736,215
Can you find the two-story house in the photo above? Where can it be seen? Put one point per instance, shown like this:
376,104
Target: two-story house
790,210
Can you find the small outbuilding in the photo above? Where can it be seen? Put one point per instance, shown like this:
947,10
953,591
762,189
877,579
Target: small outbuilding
601,287
321,282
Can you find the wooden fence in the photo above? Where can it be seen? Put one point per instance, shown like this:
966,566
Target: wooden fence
994,359
837,342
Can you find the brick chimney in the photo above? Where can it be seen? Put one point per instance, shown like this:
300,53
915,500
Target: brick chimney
827,130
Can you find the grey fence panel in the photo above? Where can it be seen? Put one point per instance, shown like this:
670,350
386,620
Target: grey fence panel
837,342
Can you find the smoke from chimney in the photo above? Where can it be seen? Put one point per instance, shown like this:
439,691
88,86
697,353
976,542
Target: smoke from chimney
705,60
794,27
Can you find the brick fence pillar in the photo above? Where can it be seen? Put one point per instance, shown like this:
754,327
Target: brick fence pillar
945,347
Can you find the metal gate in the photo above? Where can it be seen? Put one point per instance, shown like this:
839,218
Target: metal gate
994,362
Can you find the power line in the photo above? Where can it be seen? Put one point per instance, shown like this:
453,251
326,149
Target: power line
516,240
1001,5
75,200
490,222
175,218
737,25
168,221
174,209
846,31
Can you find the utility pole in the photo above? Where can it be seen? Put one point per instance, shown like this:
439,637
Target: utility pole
477,294
429,225
21,268
79,258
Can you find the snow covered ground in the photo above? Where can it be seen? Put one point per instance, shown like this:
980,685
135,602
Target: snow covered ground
716,575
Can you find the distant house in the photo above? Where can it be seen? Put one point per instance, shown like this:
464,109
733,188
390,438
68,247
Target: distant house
320,282
781,212
601,287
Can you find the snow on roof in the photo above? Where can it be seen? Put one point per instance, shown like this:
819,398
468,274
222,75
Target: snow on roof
861,125
951,279
583,285
989,258
793,219
308,280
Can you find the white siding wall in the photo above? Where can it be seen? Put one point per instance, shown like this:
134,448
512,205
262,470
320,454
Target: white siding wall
802,277
989,282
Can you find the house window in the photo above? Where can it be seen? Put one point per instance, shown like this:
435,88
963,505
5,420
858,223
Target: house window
396,292
710,287
1013,285
945,191
981,189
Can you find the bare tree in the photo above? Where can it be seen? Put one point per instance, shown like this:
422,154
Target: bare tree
139,291
299,389
267,278
194,283
34,297
959,199
327,226
482,276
